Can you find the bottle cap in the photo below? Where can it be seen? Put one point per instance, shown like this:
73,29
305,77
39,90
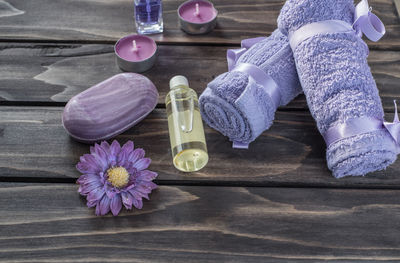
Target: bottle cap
178,81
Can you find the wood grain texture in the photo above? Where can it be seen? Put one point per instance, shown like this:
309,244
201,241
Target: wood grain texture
55,73
35,145
397,5
103,20
50,223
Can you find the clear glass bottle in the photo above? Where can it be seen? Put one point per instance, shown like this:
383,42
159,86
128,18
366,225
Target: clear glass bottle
148,16
186,132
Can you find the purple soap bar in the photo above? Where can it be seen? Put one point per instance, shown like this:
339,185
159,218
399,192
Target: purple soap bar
110,107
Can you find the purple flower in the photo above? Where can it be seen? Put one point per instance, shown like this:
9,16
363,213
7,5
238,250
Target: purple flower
113,175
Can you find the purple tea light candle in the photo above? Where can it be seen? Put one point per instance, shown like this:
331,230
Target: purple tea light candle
135,53
197,16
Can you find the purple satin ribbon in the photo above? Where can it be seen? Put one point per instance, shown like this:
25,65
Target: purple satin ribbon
351,128
362,125
365,22
255,73
322,27
232,55
240,145
394,127
263,79
372,27
368,23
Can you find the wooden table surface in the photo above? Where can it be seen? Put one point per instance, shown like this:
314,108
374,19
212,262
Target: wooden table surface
276,202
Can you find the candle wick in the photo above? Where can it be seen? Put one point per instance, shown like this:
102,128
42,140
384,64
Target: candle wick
197,13
135,48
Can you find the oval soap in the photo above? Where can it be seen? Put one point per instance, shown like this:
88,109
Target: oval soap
110,107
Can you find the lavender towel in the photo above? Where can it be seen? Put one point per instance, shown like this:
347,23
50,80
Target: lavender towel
338,85
238,107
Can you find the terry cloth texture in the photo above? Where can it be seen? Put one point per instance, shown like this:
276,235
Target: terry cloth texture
338,85
235,105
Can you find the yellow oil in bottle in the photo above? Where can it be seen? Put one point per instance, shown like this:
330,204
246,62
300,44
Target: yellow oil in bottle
186,132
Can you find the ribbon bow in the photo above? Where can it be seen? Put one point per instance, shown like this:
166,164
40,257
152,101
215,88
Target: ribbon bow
365,22
394,127
232,55
362,125
368,23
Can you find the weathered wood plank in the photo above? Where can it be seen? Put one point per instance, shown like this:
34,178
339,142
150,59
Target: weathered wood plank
397,5
57,72
50,72
35,145
50,223
103,20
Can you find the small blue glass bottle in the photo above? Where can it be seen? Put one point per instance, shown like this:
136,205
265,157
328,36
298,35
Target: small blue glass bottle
148,16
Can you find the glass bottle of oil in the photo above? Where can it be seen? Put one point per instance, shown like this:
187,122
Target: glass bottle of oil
186,132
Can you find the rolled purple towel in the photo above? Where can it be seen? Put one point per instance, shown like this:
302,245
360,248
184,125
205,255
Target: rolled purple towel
338,85
237,106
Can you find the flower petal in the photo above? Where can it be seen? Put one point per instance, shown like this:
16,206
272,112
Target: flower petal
116,205
136,155
88,164
104,206
98,209
105,146
126,149
115,148
138,195
142,164
101,156
138,204
110,191
95,195
145,187
85,189
87,178
151,185
133,177
127,200
91,204
133,172
147,175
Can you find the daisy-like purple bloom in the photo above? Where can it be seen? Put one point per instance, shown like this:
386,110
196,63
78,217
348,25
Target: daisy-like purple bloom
115,175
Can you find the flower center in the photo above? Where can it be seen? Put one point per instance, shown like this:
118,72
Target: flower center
118,176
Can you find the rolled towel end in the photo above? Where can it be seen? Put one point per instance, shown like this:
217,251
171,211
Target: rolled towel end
243,121
223,117
361,154
241,103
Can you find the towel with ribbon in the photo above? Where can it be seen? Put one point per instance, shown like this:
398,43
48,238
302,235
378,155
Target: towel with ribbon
361,125
254,72
365,22
331,60
241,103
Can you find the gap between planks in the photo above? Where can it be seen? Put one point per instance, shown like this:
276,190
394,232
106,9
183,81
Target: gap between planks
206,183
158,106
167,43
112,42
